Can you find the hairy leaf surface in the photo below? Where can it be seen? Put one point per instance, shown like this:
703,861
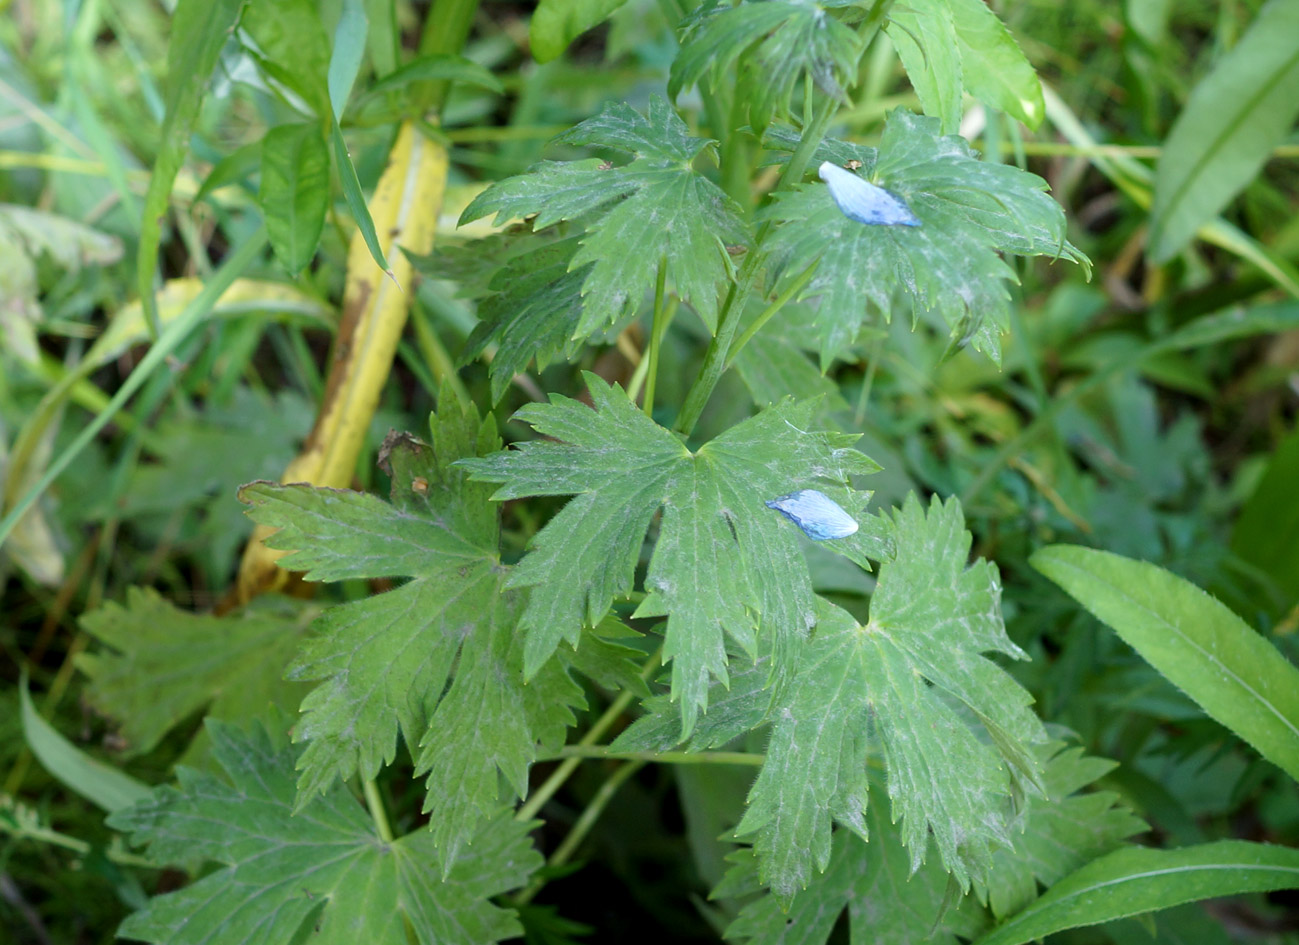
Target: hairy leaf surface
724,563
887,903
1060,832
970,210
654,208
322,874
386,661
914,682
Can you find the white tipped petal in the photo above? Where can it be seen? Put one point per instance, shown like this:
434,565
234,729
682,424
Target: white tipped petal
818,515
863,201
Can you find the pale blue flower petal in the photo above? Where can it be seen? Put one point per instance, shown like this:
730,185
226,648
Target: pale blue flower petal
863,201
818,515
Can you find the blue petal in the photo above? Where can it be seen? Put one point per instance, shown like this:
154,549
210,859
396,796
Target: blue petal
864,202
818,515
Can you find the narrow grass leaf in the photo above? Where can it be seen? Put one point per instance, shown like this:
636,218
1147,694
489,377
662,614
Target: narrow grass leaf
199,30
99,783
349,49
1234,118
356,198
1137,880
1233,673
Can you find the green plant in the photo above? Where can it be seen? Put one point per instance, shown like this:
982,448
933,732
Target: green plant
408,699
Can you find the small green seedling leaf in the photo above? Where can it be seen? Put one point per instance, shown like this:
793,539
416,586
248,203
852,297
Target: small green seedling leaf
294,193
1234,674
993,68
556,23
97,782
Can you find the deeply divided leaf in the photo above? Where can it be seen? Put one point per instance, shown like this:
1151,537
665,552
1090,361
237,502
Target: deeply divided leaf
654,209
971,211
322,874
724,564
912,683
385,662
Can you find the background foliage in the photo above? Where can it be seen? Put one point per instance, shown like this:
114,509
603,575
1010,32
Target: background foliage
546,664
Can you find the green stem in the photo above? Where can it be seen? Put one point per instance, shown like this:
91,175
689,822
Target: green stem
782,300
656,335
538,798
582,827
377,812
445,32
737,297
746,758
868,380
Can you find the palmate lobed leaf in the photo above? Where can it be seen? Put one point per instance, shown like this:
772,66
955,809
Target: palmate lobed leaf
1058,832
769,45
164,664
948,721
724,564
970,210
385,662
654,208
323,873
887,901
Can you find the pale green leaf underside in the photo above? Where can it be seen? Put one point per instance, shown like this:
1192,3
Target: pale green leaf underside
1232,672
322,872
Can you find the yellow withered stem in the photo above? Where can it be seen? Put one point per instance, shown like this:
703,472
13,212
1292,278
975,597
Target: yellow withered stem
405,209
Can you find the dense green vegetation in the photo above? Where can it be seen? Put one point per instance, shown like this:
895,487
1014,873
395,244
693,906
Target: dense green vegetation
637,470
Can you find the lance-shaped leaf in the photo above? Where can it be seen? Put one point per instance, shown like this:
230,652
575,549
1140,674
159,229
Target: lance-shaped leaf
654,208
970,211
772,44
948,721
386,661
724,562
323,875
